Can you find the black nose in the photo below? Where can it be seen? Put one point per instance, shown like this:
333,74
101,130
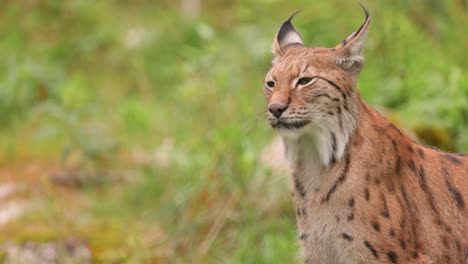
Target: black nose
277,109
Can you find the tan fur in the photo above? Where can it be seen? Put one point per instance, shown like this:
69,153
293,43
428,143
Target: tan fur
364,191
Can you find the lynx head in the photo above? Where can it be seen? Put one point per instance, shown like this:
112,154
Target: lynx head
312,91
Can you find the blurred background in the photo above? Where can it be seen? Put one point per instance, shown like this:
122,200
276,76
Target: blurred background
133,131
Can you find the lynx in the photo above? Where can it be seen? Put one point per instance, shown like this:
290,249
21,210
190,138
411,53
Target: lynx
364,191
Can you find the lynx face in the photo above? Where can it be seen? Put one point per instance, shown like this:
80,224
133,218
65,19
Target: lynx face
311,91
301,97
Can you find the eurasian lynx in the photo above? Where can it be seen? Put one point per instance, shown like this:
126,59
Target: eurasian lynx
364,191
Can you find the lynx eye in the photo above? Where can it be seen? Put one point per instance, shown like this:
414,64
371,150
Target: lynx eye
306,80
270,84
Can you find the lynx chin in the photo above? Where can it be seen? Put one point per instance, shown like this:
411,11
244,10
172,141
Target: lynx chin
364,191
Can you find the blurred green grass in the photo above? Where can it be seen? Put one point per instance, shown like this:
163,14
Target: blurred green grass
161,115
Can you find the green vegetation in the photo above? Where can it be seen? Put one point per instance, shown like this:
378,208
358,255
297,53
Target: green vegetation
145,127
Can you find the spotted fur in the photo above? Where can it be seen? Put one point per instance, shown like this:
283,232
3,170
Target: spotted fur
365,192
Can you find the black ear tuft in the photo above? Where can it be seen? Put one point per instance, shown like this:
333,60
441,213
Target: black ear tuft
287,28
349,50
365,10
367,18
287,35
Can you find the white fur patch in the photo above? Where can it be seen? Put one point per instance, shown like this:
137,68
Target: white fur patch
319,138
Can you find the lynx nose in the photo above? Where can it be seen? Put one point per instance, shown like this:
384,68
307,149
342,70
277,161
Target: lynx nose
277,109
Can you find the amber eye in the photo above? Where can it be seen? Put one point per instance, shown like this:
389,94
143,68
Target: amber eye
270,84
304,80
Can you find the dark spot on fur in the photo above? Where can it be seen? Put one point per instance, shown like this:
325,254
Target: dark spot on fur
422,173
402,244
379,129
395,146
372,249
304,236
351,202
348,90
451,158
347,237
385,212
426,190
350,217
393,257
301,211
413,218
396,128
346,107
337,218
410,149
455,193
448,229
391,232
333,148
405,197
398,166
324,227
299,187
366,194
421,153
376,226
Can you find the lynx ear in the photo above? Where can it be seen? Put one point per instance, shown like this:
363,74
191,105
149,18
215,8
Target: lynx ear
286,36
349,50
